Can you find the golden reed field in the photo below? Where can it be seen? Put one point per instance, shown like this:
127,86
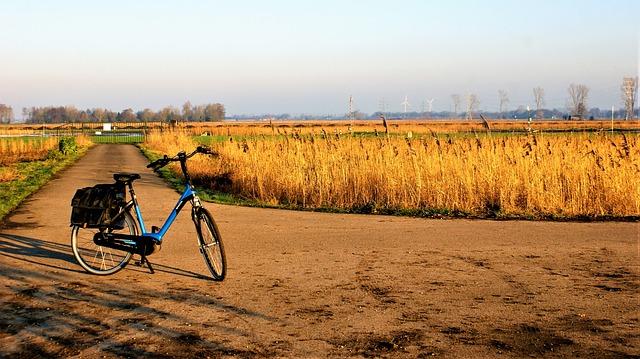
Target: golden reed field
526,175
25,149
266,127
13,150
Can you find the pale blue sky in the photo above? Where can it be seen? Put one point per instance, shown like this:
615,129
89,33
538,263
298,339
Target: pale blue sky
309,56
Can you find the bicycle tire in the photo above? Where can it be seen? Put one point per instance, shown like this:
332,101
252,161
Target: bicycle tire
210,244
109,260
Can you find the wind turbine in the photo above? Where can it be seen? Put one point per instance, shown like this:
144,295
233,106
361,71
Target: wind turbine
405,103
430,102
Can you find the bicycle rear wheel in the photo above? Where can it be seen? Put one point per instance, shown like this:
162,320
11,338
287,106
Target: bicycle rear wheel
97,259
210,244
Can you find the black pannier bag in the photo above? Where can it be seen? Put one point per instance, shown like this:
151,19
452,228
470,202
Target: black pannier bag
95,207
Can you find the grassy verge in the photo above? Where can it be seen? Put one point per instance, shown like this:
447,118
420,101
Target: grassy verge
30,176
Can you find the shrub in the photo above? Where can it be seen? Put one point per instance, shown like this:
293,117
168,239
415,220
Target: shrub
67,145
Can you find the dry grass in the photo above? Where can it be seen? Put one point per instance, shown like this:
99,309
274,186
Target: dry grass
541,175
25,149
9,174
258,128
253,128
30,149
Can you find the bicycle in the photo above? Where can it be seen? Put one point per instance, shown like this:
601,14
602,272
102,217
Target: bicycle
107,250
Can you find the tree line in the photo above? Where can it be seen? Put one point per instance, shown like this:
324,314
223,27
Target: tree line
576,103
468,106
64,114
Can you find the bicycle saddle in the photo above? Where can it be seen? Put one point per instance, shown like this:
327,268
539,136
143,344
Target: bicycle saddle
125,177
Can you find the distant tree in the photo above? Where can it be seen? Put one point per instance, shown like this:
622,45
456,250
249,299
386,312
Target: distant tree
198,113
71,114
629,96
26,114
84,116
110,115
472,104
456,104
503,99
538,96
169,114
208,112
146,115
214,112
126,115
578,95
6,113
187,111
99,114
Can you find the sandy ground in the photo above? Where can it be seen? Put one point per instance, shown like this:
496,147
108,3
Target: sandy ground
308,284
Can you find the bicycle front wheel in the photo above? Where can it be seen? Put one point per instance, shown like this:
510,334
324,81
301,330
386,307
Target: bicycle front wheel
97,259
210,244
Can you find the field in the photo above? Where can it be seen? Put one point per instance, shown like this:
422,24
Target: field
316,285
26,163
25,148
273,127
418,171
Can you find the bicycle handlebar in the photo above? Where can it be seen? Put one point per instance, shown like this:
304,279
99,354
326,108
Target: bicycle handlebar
180,156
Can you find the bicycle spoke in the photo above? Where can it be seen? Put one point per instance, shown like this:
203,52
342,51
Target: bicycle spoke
96,256
98,259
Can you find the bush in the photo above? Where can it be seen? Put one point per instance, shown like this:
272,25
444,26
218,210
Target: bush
54,155
67,145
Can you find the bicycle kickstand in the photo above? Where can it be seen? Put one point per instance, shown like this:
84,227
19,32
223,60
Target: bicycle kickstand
144,260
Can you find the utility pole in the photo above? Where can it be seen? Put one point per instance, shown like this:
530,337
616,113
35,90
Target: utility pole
612,110
382,106
629,95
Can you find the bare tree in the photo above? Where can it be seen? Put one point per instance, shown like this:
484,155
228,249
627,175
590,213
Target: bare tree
503,98
629,96
127,115
187,111
26,114
99,114
456,103
538,95
6,113
145,115
472,104
578,95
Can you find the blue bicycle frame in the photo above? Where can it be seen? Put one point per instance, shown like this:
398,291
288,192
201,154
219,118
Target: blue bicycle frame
187,195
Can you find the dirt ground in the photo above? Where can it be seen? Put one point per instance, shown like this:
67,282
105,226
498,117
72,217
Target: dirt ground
304,284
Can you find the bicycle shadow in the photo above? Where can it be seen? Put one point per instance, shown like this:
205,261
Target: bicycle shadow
35,251
42,252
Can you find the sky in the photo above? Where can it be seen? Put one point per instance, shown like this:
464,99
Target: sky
308,57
